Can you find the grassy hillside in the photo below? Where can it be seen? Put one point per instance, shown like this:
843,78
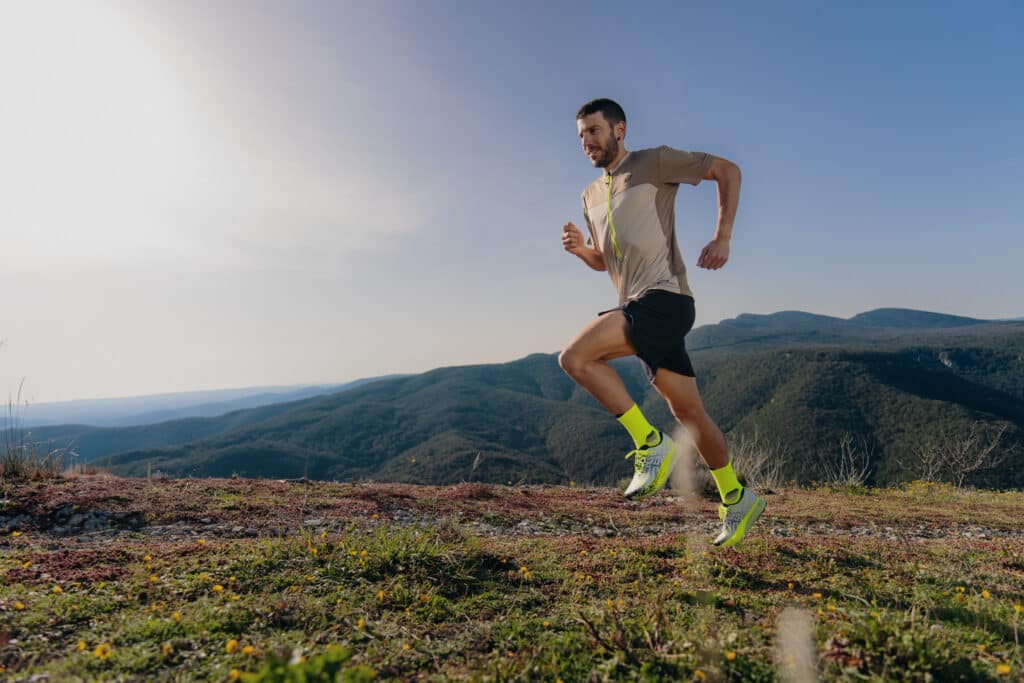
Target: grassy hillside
111,579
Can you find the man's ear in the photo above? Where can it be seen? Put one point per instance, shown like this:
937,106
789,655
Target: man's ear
620,130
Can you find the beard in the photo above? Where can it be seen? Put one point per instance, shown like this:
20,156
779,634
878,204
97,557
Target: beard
609,150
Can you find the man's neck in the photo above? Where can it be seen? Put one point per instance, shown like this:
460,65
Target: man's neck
610,168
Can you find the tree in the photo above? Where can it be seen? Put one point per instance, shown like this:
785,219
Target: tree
954,455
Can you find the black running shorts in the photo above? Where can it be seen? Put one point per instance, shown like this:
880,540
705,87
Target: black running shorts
657,325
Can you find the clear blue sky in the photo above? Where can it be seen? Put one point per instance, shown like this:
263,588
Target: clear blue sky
205,195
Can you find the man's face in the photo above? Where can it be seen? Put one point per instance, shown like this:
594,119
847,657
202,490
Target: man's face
598,139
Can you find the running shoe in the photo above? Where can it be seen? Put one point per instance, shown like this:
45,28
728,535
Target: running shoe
739,517
651,467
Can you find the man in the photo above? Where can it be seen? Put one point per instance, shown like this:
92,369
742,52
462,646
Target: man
630,216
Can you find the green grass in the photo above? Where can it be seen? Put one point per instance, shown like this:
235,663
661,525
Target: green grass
371,599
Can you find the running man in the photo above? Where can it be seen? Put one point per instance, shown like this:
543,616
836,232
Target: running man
630,216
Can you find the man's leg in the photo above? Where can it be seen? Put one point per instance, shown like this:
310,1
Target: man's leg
586,358
740,507
683,400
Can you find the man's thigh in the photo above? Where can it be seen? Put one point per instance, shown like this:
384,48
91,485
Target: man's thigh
603,338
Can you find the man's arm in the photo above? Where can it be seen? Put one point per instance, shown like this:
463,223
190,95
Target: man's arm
728,177
572,242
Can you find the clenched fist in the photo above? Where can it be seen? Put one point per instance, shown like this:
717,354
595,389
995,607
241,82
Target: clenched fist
572,239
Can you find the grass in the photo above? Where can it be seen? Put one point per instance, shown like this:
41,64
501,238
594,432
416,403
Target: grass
394,582
21,457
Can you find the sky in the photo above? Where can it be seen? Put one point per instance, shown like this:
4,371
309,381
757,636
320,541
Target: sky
200,195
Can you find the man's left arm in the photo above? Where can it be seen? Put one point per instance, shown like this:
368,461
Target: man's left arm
727,175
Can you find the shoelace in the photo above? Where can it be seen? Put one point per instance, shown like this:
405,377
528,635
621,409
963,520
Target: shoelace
639,458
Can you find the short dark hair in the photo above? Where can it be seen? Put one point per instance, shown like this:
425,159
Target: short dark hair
611,110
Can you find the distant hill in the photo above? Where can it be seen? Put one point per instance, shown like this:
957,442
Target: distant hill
144,410
911,319
800,379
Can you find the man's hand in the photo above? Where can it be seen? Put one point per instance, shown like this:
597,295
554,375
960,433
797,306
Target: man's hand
572,239
714,255
572,242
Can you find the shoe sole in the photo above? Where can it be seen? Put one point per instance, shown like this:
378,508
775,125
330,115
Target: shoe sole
664,470
748,521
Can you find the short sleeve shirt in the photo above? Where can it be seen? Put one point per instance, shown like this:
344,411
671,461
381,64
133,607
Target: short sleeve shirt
630,213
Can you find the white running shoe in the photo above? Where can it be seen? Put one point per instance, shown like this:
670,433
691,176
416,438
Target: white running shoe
739,517
651,467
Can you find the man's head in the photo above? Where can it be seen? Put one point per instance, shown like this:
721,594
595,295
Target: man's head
602,127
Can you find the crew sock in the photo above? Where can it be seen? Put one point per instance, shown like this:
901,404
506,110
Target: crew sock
728,485
644,435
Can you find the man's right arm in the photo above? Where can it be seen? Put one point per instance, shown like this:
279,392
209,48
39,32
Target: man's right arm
572,241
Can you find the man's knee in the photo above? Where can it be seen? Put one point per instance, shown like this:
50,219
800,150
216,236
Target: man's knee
572,362
687,413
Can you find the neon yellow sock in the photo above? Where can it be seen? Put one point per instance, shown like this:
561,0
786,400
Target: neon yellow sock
728,485
639,428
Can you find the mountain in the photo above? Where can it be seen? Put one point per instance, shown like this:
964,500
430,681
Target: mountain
144,410
796,379
911,319
90,443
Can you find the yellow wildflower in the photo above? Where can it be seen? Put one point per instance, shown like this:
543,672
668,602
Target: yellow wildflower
153,578
147,558
816,596
546,624
234,674
985,594
176,616
406,646
1018,608
248,650
231,646
167,649
81,645
15,534
19,605
364,553
103,651
1003,669
26,564
57,590
789,585
218,588
380,596
730,655
361,624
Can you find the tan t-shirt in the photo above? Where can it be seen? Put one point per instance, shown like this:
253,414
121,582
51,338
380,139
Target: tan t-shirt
638,243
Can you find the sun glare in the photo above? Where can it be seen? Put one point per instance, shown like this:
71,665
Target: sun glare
96,133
